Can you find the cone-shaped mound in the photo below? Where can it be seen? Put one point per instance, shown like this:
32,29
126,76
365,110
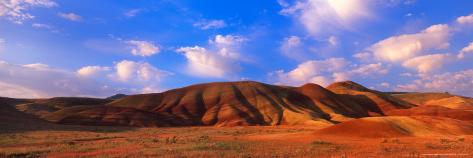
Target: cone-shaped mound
377,103
348,85
336,105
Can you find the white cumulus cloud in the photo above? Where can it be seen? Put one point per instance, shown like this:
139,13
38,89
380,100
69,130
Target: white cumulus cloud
143,48
459,82
219,60
310,71
138,72
467,50
361,71
322,16
17,10
465,19
92,71
293,47
39,80
324,72
428,63
402,47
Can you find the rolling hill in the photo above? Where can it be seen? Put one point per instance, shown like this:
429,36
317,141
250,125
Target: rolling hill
345,105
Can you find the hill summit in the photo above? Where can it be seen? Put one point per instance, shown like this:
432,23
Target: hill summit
223,104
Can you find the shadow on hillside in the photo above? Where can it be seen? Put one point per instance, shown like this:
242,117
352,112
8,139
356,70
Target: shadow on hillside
14,121
366,102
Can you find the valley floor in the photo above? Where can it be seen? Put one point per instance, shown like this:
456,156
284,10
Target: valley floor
255,141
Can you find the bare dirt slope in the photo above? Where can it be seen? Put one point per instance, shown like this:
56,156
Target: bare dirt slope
246,103
242,104
437,99
377,103
399,126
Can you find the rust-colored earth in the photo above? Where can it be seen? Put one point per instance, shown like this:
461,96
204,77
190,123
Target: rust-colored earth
241,119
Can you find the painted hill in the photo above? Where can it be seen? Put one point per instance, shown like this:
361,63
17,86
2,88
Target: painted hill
245,103
377,103
215,104
242,104
398,126
437,99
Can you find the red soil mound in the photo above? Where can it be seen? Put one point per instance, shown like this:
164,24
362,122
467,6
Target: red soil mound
377,103
112,116
232,103
228,104
398,126
438,99
331,102
432,110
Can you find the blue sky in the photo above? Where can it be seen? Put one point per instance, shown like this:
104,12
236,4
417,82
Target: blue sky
100,48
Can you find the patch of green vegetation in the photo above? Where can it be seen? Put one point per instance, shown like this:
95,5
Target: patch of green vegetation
321,142
220,145
325,146
439,146
29,154
171,140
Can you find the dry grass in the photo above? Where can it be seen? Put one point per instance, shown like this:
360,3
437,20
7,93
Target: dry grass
220,142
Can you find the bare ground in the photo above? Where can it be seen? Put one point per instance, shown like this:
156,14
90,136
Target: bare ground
254,141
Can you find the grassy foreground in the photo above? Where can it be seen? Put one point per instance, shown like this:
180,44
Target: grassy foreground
279,141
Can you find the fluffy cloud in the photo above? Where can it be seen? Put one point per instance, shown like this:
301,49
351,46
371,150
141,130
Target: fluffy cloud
322,16
39,80
460,82
465,19
143,48
138,71
402,47
217,61
203,63
293,47
310,71
428,63
324,72
92,71
228,40
468,49
210,24
70,16
362,71
16,10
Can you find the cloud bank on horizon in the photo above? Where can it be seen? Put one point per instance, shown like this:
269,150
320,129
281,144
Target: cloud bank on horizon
57,48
